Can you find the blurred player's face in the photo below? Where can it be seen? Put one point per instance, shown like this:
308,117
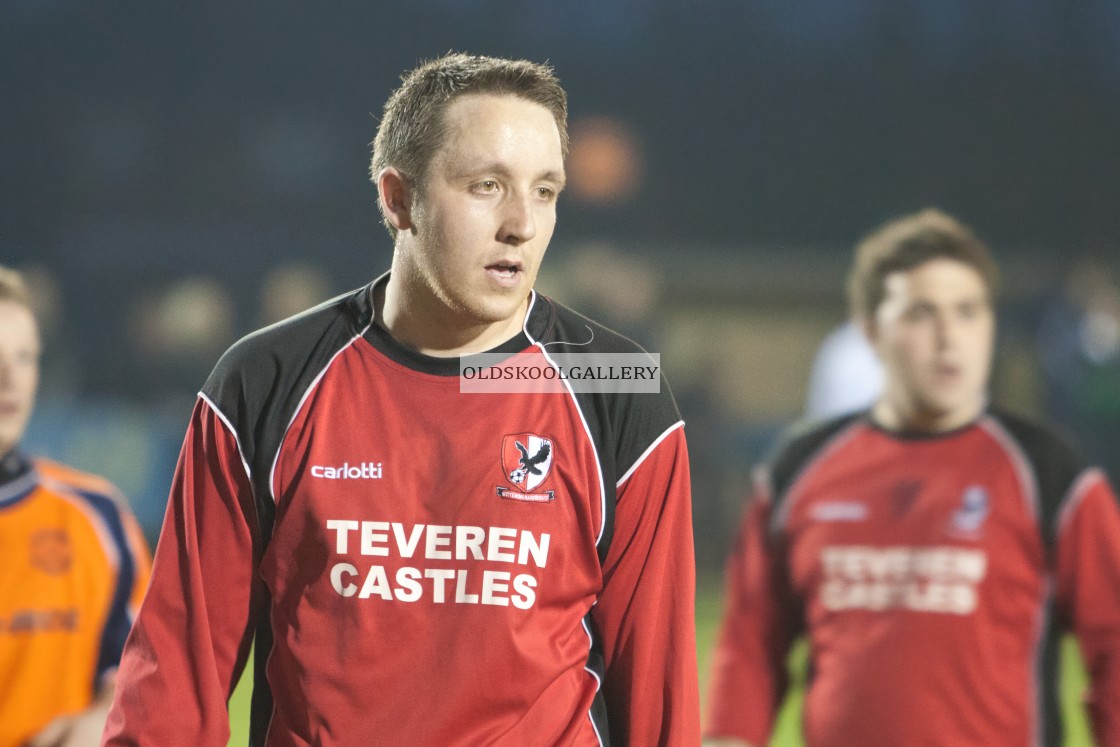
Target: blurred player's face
484,217
19,371
933,332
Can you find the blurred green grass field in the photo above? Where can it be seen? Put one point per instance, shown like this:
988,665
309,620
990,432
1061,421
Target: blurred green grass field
709,607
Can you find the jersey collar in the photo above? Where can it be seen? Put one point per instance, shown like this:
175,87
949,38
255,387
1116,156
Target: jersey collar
17,477
914,435
537,322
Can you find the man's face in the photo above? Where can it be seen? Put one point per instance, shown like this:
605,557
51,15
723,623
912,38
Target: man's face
486,212
19,371
934,332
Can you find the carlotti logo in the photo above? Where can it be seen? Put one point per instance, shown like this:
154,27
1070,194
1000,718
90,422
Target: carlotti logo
526,463
347,471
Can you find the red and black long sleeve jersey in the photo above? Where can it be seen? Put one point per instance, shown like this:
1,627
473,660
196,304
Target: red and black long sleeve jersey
340,499
932,577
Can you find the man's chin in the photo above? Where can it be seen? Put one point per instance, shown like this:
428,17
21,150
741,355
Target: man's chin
496,311
8,441
950,410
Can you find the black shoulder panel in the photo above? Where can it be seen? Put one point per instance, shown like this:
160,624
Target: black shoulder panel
797,447
1054,462
623,426
260,381
257,386
1055,465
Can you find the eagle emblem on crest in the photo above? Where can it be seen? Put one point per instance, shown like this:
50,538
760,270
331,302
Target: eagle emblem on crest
526,464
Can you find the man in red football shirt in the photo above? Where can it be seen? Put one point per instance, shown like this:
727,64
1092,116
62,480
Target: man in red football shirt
932,549
421,566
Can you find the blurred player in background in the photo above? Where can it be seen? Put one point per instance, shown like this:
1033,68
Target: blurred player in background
74,566
932,549
420,566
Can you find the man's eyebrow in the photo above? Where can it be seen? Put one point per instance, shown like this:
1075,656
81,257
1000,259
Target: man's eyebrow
465,167
925,303
464,170
555,176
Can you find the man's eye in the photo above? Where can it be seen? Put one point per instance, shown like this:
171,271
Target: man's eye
487,185
546,193
919,313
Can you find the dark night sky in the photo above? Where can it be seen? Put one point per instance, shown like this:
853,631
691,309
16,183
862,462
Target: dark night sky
140,142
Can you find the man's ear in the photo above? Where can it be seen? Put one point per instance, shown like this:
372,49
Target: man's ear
396,198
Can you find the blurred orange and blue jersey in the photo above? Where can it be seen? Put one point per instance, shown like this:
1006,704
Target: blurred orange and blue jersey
73,569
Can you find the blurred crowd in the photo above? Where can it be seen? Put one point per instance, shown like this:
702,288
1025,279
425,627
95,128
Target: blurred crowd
741,368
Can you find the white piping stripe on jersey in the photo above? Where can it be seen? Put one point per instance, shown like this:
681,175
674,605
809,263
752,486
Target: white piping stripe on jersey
302,400
104,536
598,682
594,449
232,431
582,420
1076,493
838,439
762,488
602,495
1042,629
528,313
648,451
1027,478
272,474
240,453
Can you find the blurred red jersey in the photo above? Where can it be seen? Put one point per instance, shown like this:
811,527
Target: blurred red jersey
932,576
74,569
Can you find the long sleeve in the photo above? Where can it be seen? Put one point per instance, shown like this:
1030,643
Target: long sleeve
646,612
749,676
193,631
1088,593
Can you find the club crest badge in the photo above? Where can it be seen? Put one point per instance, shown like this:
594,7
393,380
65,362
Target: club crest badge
968,520
51,552
526,464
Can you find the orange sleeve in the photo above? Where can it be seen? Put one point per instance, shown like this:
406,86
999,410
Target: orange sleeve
125,542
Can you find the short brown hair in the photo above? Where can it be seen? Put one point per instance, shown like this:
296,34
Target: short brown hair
13,288
413,128
905,243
